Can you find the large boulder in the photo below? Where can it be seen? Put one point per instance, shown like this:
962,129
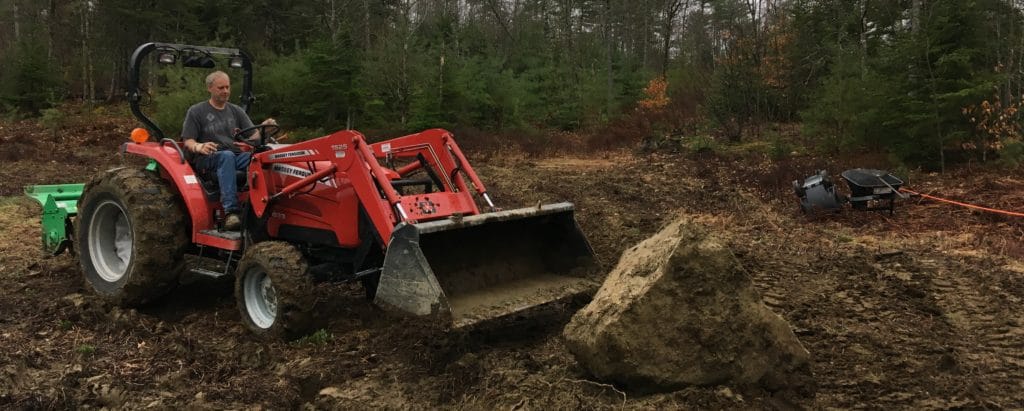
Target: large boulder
680,310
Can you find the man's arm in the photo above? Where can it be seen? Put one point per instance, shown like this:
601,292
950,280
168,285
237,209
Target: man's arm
245,122
199,148
271,121
258,134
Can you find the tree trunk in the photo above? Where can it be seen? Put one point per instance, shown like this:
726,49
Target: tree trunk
863,39
646,36
332,22
14,15
113,82
86,65
51,22
85,57
942,158
608,58
915,16
440,79
672,10
366,24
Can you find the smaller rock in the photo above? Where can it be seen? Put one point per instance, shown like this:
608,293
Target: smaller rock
726,392
76,299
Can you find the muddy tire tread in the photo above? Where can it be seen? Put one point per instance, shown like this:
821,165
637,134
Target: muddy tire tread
160,233
287,268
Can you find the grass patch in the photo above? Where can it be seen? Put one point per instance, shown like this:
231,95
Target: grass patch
702,144
86,349
320,337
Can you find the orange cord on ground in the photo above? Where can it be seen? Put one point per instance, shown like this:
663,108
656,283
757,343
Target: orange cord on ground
976,207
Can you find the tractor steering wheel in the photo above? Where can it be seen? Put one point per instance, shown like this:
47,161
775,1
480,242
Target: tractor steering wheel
267,131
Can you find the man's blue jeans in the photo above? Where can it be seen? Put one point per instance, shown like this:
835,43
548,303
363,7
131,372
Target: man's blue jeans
224,163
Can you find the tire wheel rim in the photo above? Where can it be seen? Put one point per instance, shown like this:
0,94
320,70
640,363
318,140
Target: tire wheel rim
260,298
110,241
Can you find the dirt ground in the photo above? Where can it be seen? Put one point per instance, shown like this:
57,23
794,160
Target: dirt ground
918,310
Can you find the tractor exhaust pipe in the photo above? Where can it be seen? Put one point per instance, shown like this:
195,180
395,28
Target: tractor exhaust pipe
486,266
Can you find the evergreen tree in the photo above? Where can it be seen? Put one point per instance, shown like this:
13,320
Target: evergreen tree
29,78
933,72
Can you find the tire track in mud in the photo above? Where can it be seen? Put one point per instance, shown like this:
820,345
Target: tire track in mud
875,334
985,307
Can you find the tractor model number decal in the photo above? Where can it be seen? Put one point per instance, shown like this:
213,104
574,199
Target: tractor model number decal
300,173
339,150
290,154
190,179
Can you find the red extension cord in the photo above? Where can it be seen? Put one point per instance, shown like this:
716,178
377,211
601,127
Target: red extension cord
976,207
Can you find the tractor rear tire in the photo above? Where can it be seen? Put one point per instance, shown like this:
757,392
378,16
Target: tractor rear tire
274,291
131,235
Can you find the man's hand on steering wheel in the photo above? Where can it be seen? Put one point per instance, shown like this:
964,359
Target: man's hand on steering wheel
268,129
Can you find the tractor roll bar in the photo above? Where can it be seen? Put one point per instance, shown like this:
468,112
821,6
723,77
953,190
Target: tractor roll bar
191,56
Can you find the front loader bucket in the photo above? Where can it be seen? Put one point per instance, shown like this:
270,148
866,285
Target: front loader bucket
60,203
485,266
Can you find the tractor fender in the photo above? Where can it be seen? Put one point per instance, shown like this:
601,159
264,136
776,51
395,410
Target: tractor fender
173,166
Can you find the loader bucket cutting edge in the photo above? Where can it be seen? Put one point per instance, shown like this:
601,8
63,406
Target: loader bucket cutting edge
59,202
485,266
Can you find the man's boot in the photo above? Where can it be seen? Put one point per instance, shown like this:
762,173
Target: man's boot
232,222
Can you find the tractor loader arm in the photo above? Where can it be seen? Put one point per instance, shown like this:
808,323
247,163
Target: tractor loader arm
443,258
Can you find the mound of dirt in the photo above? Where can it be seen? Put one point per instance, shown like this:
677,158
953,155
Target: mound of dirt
679,310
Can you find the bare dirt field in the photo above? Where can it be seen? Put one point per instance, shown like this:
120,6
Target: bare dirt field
921,310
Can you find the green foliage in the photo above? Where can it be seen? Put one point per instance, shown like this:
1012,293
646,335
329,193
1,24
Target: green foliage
178,89
329,94
53,119
279,86
320,337
779,149
845,111
551,97
875,74
64,325
485,95
1011,156
940,70
735,98
703,144
86,349
905,95
29,79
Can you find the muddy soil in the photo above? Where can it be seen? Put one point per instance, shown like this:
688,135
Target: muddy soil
921,309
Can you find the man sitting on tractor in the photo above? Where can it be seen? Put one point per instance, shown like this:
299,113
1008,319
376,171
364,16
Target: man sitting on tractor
208,132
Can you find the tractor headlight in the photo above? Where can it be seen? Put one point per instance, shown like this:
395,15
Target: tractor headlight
167,57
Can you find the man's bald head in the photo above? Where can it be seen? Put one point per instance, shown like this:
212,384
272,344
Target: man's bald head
214,76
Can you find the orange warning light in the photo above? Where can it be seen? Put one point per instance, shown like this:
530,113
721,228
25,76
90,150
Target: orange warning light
140,135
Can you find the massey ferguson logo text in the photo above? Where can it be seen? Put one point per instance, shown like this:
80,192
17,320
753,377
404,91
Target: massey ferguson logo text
300,173
290,154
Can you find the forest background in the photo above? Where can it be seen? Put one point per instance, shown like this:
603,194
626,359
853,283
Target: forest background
929,82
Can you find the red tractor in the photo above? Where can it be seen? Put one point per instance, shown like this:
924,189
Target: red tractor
399,216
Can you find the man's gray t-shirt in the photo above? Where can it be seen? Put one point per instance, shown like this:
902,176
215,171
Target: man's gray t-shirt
204,123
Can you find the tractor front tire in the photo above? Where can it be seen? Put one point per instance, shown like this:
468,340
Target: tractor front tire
131,235
274,291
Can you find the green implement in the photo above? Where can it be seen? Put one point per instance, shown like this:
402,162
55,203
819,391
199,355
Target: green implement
60,203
